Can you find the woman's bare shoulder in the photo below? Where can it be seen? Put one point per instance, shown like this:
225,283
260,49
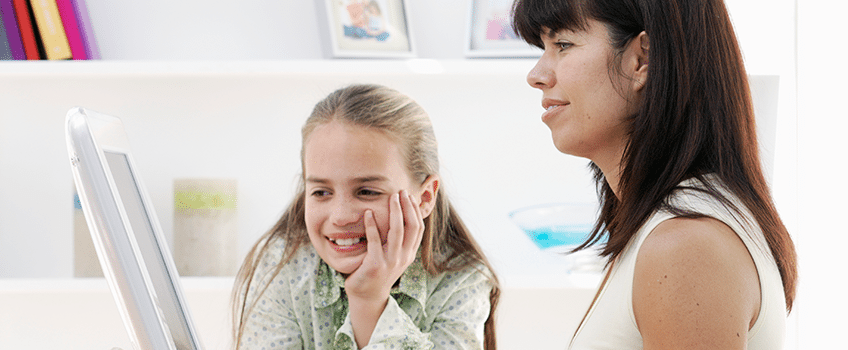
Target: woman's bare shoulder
695,286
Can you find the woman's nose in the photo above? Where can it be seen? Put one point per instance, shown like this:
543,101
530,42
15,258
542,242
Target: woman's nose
541,76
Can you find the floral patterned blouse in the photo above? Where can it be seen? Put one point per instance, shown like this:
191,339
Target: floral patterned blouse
305,307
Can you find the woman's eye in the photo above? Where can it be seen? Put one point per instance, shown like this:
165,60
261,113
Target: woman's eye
562,45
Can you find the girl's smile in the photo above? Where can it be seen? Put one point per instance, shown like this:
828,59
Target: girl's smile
347,242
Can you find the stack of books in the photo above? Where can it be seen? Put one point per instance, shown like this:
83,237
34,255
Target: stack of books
46,30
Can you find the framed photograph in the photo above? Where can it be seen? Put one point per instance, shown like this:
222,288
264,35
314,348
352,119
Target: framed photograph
490,32
367,29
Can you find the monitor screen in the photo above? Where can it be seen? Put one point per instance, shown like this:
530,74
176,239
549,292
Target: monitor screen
169,304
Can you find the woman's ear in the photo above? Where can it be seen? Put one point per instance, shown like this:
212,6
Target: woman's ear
638,50
427,198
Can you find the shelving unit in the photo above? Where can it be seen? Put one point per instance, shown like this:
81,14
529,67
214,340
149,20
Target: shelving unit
208,119
242,120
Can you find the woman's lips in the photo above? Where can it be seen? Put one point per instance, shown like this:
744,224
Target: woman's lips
549,103
550,110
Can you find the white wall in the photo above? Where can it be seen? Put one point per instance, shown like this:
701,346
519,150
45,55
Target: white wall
289,29
822,122
251,29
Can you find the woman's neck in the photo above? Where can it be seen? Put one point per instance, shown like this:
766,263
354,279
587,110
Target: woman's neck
611,168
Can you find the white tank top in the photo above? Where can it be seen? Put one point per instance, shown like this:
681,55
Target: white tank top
610,322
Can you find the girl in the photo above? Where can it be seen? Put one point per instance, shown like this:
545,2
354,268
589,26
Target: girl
655,94
370,253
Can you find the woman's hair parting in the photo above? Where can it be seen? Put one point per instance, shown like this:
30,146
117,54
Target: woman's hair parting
695,115
447,245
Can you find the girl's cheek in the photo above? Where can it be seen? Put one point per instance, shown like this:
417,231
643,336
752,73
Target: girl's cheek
381,215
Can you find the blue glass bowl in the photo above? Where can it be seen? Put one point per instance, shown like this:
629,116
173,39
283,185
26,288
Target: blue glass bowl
559,226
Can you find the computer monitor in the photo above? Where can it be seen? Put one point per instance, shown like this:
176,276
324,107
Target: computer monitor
127,236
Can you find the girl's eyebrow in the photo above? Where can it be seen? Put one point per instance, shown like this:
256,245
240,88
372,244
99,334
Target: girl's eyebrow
371,178
312,179
361,179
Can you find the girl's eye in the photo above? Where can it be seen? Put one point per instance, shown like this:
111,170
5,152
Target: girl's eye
365,192
319,193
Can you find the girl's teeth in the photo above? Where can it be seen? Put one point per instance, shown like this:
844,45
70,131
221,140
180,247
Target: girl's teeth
348,241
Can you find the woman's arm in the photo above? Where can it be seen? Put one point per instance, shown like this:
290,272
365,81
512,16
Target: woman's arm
695,286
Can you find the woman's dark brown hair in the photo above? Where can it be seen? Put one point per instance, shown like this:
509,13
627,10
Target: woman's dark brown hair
695,118
447,245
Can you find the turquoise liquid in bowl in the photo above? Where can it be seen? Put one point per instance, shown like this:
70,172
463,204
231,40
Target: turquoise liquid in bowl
547,237
558,229
556,225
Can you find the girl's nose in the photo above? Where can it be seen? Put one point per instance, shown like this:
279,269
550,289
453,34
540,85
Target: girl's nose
346,213
541,76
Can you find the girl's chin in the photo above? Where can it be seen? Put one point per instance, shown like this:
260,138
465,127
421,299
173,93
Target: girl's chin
346,265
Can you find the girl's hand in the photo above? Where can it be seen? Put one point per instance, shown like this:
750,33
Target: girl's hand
368,287
386,261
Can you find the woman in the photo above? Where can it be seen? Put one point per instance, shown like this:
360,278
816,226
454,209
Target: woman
655,94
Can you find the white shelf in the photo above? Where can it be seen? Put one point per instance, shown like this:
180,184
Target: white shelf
318,67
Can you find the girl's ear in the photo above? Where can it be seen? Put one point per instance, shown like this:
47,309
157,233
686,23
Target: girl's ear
427,198
638,50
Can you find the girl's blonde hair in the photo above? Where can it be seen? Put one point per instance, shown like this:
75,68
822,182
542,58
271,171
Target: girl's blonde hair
446,245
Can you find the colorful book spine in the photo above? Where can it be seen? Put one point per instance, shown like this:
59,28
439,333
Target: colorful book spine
25,26
92,51
13,35
52,31
5,51
72,31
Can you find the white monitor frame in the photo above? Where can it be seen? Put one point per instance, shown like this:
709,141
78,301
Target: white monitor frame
135,258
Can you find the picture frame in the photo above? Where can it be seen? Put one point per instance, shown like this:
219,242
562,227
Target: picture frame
367,29
490,32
